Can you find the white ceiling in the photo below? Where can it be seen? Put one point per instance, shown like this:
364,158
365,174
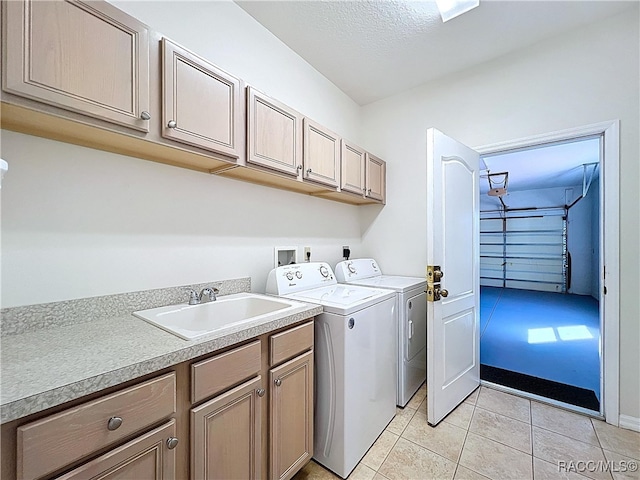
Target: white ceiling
558,165
372,49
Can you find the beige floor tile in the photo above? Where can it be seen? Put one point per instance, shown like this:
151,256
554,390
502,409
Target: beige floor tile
401,420
418,397
563,422
505,430
558,449
410,461
445,439
618,440
463,473
473,398
551,471
423,406
623,468
495,460
380,449
314,471
379,476
461,416
362,472
504,404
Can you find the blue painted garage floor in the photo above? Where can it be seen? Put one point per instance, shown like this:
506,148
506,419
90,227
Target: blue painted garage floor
553,336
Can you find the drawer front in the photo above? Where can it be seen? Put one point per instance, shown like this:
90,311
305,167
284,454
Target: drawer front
215,374
288,344
51,443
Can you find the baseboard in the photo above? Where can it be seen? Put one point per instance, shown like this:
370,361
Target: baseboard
629,422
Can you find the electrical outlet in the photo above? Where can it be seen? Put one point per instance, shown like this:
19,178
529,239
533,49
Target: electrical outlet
307,254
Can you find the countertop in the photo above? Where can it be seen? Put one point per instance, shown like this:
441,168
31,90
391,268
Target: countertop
48,367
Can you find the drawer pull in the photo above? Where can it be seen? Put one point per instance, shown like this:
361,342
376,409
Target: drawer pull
145,115
114,423
261,392
278,382
172,442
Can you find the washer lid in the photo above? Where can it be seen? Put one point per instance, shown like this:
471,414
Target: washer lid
343,299
394,282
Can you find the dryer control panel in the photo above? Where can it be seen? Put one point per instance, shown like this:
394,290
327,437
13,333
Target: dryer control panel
357,269
303,276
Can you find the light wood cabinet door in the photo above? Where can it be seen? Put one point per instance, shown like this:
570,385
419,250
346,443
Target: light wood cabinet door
150,456
88,57
376,173
274,134
226,434
291,400
201,103
352,166
321,154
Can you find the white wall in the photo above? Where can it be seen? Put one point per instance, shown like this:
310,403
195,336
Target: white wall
78,222
586,76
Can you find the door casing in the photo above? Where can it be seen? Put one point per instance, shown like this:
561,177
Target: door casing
609,246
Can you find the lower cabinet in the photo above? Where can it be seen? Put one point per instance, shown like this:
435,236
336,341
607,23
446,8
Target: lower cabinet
245,413
291,416
226,434
150,456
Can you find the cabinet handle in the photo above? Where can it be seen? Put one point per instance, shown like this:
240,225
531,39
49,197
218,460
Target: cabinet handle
308,171
261,392
299,167
278,382
114,423
172,442
145,115
369,192
172,124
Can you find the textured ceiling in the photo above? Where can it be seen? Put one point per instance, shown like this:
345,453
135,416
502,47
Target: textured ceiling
376,48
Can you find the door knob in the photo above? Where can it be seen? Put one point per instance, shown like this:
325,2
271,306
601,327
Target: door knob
172,442
444,292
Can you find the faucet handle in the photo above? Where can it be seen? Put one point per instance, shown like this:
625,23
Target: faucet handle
194,298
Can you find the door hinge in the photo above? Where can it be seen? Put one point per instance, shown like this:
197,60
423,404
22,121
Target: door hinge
604,289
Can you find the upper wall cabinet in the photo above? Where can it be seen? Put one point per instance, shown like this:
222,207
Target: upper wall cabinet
321,154
87,57
376,172
274,134
201,104
352,168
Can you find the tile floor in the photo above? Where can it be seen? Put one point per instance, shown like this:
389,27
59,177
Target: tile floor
494,435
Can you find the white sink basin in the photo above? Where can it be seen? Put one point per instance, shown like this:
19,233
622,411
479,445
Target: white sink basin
192,321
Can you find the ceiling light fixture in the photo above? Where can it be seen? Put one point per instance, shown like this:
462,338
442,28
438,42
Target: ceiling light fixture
452,8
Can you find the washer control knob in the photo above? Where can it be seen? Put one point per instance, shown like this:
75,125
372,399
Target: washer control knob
289,276
324,271
298,274
351,268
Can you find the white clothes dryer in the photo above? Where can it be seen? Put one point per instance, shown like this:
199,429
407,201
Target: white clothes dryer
412,319
355,363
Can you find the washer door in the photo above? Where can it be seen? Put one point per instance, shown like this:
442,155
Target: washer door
416,308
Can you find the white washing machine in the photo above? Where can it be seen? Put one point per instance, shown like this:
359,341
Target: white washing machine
355,363
412,319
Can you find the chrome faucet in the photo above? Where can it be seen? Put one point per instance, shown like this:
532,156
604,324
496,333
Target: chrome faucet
195,298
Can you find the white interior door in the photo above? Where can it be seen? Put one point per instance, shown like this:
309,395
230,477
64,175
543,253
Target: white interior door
453,240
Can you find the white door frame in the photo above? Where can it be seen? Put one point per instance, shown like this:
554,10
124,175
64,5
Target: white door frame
609,246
